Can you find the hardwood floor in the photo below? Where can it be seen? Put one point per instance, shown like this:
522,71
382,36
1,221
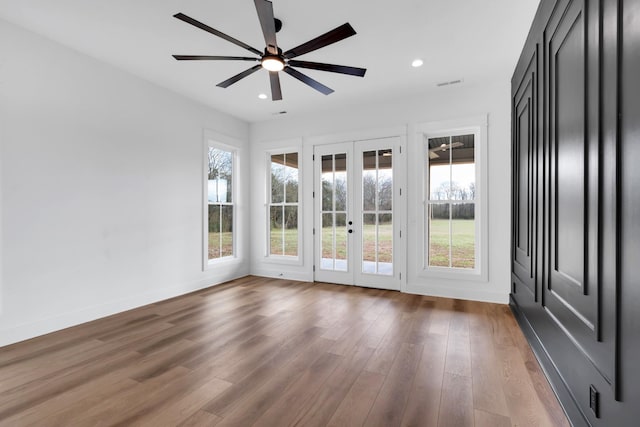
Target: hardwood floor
269,352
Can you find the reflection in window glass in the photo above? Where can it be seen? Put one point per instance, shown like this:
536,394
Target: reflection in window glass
220,242
283,205
451,176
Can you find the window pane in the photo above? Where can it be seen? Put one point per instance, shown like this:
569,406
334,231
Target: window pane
219,175
277,178
463,170
327,183
291,174
464,181
463,235
226,229
275,227
214,232
291,230
439,182
438,224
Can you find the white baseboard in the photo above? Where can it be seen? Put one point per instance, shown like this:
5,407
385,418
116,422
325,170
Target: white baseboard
279,274
482,295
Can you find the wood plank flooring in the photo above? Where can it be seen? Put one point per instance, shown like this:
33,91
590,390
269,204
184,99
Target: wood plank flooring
269,352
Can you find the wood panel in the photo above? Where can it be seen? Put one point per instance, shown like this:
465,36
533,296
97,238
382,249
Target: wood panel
573,288
525,173
576,325
413,361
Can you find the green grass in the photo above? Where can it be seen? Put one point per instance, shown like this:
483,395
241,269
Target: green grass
462,243
290,242
385,242
214,245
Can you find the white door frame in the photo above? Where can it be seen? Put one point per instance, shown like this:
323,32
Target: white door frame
355,275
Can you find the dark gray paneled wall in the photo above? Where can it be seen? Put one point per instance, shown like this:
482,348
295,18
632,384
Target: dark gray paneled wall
576,204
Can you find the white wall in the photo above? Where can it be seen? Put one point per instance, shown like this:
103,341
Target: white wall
401,116
100,189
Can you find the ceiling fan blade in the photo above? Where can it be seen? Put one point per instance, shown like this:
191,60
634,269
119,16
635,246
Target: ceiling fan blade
333,36
276,91
189,20
268,24
433,155
213,58
240,76
342,69
308,80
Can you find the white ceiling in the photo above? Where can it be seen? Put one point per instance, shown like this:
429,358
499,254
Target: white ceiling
474,40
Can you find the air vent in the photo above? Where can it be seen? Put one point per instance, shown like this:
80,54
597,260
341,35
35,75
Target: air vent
452,82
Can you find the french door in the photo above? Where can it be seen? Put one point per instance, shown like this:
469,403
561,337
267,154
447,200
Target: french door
357,229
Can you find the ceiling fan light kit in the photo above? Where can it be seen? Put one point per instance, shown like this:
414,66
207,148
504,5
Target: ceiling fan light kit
272,63
273,59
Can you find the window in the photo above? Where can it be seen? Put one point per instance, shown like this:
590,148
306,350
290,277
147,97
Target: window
451,226
220,233
283,205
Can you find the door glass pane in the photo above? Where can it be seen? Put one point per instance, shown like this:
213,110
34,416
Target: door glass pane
463,235
369,180
385,243
377,204
290,231
385,180
369,244
341,244
341,182
327,242
334,215
438,226
327,183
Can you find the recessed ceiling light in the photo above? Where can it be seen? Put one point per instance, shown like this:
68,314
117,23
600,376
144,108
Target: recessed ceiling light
262,96
417,63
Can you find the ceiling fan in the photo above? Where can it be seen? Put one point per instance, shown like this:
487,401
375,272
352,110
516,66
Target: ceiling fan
444,147
273,59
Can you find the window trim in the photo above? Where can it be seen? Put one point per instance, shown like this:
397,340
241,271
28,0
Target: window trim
478,126
283,259
211,141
